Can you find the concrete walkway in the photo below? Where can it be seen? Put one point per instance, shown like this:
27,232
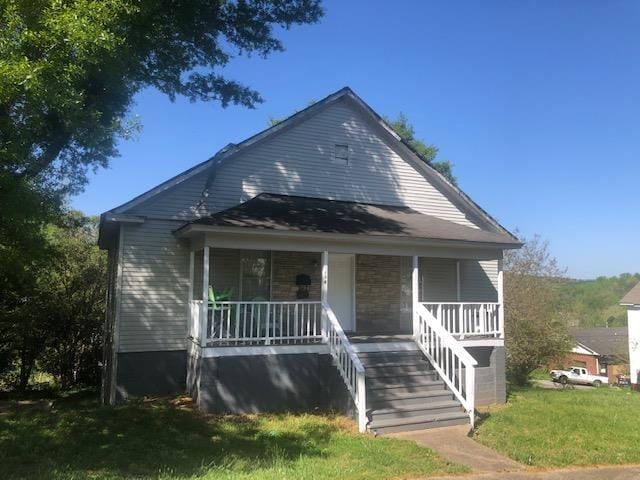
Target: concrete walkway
454,444
591,473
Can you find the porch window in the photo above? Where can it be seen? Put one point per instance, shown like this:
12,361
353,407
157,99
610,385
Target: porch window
255,276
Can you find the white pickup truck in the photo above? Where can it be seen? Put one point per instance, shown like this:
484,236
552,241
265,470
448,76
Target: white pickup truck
577,376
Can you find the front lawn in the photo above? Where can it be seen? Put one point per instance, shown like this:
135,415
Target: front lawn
566,427
168,440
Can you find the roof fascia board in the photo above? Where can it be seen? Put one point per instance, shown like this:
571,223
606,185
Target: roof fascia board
186,231
590,350
123,218
172,182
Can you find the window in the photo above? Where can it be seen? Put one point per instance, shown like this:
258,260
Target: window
255,276
341,154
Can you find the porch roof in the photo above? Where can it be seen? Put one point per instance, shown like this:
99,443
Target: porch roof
305,214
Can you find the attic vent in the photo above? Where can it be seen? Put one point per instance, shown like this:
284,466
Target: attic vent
341,154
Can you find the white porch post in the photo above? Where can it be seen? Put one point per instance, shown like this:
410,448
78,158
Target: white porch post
500,299
192,258
324,290
415,285
458,291
205,297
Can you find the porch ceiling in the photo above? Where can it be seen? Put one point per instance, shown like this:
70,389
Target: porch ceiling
313,215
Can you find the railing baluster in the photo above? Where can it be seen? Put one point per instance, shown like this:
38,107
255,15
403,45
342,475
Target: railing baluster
448,357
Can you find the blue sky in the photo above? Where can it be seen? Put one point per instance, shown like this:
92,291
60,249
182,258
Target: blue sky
536,103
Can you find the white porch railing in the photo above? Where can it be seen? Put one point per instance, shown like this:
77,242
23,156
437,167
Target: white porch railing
262,323
468,318
282,323
348,363
454,364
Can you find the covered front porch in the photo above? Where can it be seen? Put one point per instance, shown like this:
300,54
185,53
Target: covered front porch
244,297
288,280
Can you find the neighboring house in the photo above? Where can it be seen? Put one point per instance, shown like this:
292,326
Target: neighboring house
601,350
318,264
632,301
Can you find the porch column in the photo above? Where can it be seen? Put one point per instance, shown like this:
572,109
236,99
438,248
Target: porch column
205,296
324,289
501,298
415,294
458,291
192,257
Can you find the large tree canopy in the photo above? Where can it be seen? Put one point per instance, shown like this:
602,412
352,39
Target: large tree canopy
70,69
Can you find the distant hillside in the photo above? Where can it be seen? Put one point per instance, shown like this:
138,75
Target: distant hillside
594,303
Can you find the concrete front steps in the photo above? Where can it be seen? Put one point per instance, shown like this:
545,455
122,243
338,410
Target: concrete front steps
405,393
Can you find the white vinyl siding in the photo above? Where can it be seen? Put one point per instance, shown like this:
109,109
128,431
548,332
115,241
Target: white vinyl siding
437,279
155,286
478,280
300,161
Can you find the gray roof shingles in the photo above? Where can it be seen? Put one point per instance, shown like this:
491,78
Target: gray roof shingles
612,341
306,214
632,297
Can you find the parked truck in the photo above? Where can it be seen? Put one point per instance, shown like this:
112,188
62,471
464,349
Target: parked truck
577,376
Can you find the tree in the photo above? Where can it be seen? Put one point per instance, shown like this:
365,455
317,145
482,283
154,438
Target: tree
70,70
428,152
534,331
57,314
72,295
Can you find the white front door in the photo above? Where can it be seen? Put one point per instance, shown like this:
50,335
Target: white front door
340,293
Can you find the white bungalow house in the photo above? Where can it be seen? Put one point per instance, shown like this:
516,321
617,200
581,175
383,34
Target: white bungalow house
632,301
321,263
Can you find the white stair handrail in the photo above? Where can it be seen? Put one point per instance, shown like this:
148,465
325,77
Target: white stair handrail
448,357
348,363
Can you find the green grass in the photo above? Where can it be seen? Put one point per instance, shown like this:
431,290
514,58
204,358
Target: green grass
71,439
566,427
540,374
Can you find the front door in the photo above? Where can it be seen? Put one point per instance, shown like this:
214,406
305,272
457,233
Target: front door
340,293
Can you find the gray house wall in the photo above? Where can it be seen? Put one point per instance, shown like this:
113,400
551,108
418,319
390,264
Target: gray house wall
269,383
491,387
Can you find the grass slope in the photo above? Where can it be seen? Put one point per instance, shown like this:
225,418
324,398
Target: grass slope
168,440
566,427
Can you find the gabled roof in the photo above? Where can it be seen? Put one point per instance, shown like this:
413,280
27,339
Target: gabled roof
317,215
612,341
232,150
632,297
